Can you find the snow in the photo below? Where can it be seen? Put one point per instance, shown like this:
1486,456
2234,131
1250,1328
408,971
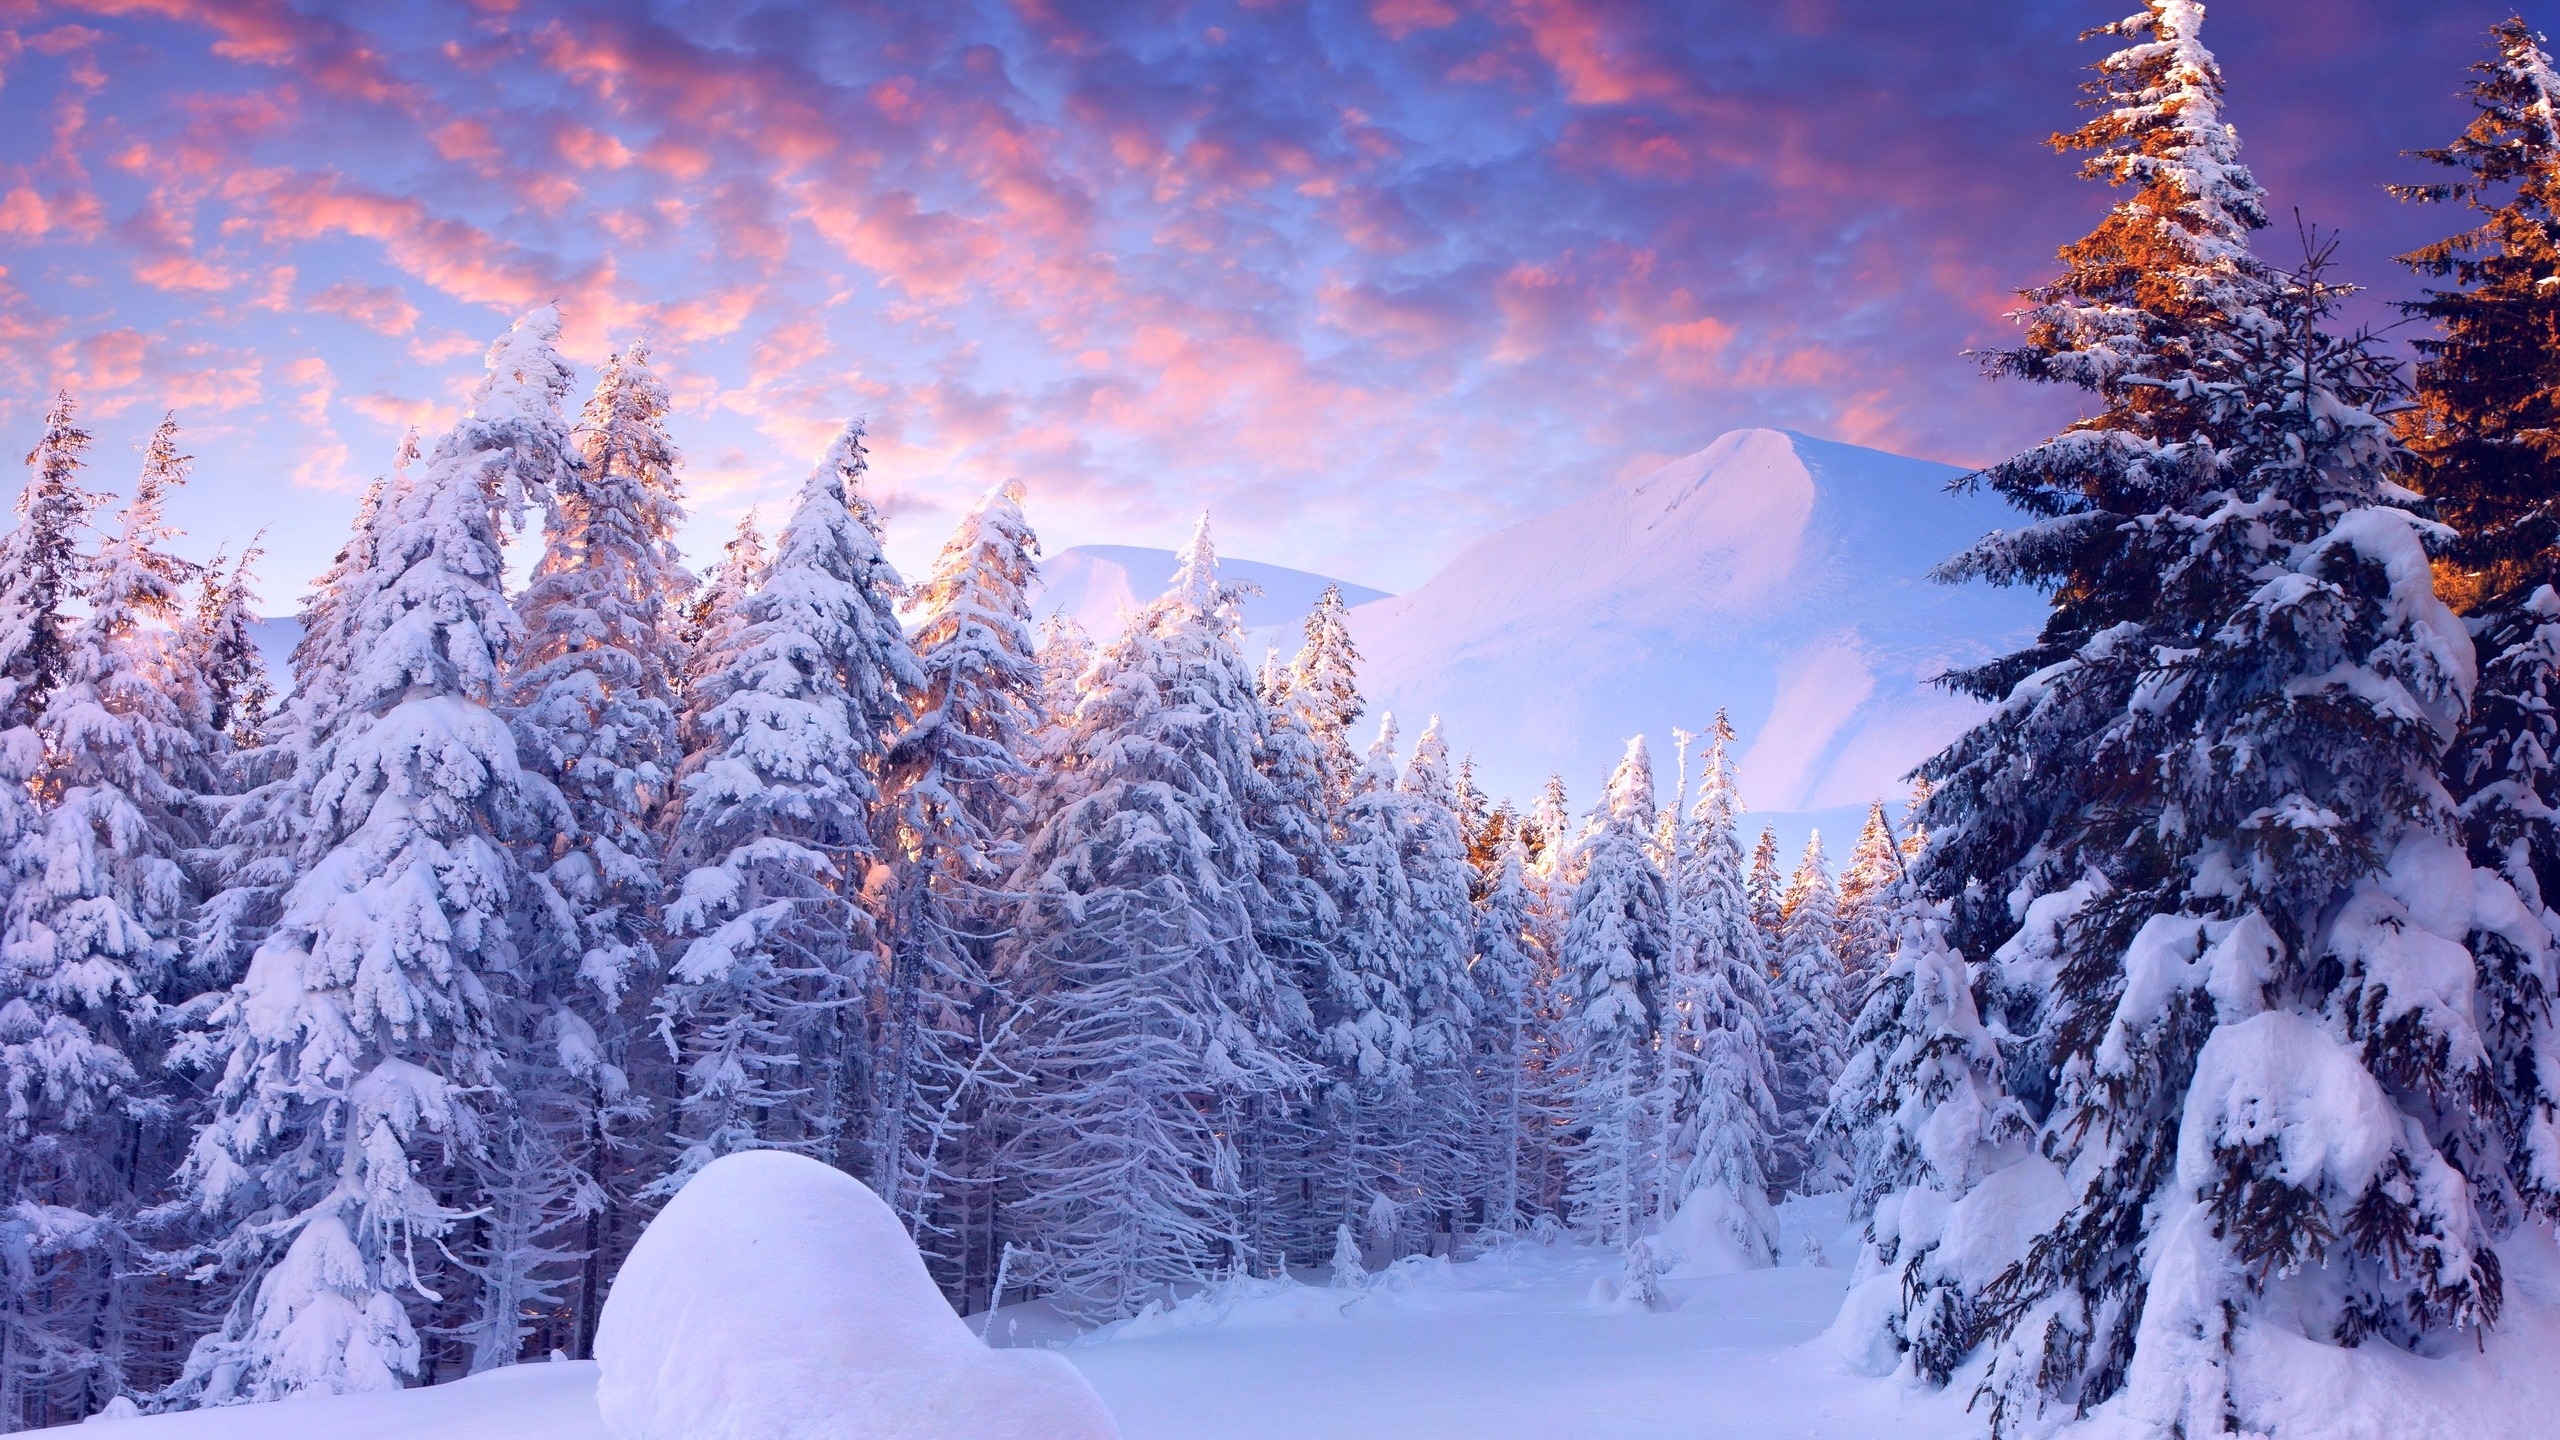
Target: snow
1507,1346
1099,585
1779,575
776,1298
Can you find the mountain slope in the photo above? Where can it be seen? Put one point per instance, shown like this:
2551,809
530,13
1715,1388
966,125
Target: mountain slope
1097,583
1780,576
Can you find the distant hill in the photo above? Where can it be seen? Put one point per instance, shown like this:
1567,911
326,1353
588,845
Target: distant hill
1777,575
1098,583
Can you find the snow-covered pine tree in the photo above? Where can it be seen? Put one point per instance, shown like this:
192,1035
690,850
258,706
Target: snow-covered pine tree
952,810
1921,1106
591,699
2212,784
220,667
90,940
1807,1031
1506,975
356,1061
1717,1072
1364,1010
1870,899
1439,942
40,567
711,613
795,705
1156,1019
2485,435
1324,689
1766,886
1616,957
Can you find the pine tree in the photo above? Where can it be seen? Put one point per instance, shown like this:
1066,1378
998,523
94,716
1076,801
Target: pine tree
1364,1011
2483,435
1807,1032
795,705
1721,1107
953,805
1767,890
2485,425
1922,1106
1616,960
2216,773
221,668
591,699
356,1061
40,567
1444,998
1324,689
1870,895
97,902
1506,974
1157,1021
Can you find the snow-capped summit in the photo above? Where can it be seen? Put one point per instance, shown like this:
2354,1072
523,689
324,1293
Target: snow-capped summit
1782,577
1098,584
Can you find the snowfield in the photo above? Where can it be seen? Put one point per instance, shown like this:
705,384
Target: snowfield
1511,1346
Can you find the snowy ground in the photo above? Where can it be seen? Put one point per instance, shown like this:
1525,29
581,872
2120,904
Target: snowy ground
1504,1345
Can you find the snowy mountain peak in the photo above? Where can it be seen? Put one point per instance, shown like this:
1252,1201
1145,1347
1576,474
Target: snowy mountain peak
1778,575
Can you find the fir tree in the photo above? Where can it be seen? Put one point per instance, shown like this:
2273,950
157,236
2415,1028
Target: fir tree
1721,1108
795,706
1922,1108
2483,435
2216,772
591,700
1807,1029
954,804
40,567
1506,974
1324,690
1766,887
1870,894
90,942
1616,958
358,1056
1157,1021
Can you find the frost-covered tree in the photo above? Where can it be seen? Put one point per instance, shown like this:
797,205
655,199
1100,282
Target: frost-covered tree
1870,897
220,668
1807,1030
953,806
591,698
2246,1013
1364,1009
40,567
1717,1074
98,900
1766,886
1923,1110
1616,956
1506,976
2485,436
778,936
1439,942
1324,691
354,1064
1156,1019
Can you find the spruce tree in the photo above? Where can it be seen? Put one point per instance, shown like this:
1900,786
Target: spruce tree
1870,895
1721,1108
1444,998
591,698
2213,781
1506,975
1807,1030
953,807
1766,886
1157,1020
795,705
359,1057
2485,434
1324,689
1616,957
40,567
90,945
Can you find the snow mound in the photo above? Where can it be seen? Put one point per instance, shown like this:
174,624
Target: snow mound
1717,1233
778,1299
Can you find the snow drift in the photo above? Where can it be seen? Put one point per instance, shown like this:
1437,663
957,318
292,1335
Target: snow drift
777,1298
1778,575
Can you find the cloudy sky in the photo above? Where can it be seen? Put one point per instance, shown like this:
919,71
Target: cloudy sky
1364,277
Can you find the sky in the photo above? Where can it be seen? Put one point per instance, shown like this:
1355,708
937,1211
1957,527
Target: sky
1362,278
